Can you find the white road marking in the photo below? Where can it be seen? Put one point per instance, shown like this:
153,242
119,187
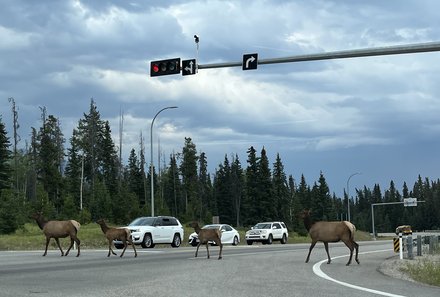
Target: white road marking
317,270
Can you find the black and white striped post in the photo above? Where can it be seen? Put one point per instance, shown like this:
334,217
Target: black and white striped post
400,246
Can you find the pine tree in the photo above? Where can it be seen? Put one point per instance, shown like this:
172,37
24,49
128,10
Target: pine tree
303,194
172,188
252,196
188,169
223,192
281,192
267,206
5,158
322,209
90,134
237,187
108,159
134,177
74,169
50,159
204,188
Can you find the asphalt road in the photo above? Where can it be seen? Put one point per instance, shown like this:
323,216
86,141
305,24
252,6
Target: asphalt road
275,270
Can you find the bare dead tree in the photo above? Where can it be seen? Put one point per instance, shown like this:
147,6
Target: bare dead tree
16,138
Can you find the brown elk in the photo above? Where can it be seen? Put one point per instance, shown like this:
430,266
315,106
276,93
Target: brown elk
58,229
330,232
122,234
206,235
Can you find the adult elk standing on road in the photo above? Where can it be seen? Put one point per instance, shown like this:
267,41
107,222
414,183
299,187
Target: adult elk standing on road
330,232
58,229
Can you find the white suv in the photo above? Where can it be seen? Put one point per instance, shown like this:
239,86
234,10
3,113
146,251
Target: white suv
267,232
148,231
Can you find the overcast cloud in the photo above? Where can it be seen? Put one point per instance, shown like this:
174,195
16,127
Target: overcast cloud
376,115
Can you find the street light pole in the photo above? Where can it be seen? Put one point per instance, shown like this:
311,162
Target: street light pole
151,164
348,194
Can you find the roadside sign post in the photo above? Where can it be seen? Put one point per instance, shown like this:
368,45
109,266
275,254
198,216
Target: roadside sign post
406,202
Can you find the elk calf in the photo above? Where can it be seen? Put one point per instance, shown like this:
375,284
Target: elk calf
206,235
122,234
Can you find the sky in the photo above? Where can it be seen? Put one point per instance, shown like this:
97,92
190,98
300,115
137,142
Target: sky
376,116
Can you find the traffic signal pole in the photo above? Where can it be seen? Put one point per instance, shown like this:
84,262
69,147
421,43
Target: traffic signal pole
368,52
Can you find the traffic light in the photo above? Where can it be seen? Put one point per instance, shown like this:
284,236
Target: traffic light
165,67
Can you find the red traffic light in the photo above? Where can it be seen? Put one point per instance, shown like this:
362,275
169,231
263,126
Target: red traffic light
165,67
155,68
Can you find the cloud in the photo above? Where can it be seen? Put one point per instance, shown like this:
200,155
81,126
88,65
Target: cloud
317,115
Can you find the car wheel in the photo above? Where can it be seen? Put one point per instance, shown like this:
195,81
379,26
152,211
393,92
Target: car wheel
235,242
270,239
176,241
148,241
119,246
284,239
249,242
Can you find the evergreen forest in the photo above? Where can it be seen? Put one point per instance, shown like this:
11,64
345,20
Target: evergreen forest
84,178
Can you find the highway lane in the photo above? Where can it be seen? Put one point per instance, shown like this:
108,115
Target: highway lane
275,270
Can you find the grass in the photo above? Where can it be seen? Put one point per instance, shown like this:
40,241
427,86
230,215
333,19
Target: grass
30,237
425,271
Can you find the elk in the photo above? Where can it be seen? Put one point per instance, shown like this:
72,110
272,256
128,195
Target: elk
206,235
58,229
330,232
122,234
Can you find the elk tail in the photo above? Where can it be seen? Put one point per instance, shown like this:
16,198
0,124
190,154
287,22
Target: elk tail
351,227
76,224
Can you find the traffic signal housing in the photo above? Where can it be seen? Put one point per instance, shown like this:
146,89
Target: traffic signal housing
165,67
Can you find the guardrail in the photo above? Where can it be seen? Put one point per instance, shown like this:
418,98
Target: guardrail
425,244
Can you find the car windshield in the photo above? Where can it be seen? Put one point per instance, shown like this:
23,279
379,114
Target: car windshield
262,226
144,221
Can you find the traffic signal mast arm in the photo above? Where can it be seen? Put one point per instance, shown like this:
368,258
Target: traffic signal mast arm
378,51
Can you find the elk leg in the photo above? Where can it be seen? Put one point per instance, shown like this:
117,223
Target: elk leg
197,250
328,255
221,249
357,251
207,249
71,245
78,243
310,250
59,246
47,244
110,248
125,247
132,244
350,246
